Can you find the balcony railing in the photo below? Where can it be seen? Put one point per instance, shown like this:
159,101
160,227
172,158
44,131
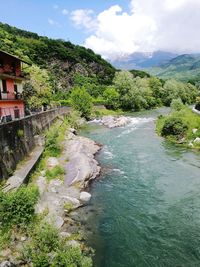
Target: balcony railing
13,73
10,96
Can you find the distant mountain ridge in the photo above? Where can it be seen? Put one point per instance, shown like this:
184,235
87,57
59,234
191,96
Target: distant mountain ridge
140,60
183,67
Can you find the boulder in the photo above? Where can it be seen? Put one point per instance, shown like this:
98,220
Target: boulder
113,121
85,197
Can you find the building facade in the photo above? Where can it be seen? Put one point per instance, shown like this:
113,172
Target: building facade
11,86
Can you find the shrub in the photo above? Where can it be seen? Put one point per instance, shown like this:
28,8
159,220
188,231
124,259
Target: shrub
174,126
17,207
176,104
52,145
47,248
56,173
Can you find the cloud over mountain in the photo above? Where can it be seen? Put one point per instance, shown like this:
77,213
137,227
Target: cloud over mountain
149,25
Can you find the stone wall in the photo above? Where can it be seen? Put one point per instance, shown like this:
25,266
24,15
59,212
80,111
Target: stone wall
17,138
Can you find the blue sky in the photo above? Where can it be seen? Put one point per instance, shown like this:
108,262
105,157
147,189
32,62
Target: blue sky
112,28
34,16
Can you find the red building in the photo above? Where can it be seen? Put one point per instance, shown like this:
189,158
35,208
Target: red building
11,81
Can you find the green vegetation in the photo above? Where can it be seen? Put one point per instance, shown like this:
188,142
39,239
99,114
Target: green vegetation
56,173
146,93
47,248
17,211
17,207
182,126
82,101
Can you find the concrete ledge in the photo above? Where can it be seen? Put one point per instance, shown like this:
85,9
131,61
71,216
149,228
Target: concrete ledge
22,172
196,111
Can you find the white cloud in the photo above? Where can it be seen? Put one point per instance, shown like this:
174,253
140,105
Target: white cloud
53,22
170,25
65,12
84,18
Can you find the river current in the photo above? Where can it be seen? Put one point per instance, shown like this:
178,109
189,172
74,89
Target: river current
146,204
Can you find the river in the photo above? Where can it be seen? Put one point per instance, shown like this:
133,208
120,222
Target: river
146,204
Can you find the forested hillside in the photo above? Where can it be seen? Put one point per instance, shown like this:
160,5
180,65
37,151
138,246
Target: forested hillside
184,67
61,59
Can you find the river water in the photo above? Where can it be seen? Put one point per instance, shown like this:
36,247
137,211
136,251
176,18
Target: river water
146,204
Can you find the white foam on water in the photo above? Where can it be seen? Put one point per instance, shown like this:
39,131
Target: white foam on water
119,171
134,124
98,121
108,154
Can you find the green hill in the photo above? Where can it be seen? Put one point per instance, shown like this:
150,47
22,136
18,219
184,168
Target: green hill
184,67
62,59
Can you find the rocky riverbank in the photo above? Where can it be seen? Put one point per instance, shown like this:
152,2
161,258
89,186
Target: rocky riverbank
60,197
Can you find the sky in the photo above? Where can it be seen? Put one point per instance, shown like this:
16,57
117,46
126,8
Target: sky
112,28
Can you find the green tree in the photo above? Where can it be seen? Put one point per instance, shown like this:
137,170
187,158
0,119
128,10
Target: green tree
82,102
111,97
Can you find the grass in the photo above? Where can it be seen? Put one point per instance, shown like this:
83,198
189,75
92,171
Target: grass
56,173
191,119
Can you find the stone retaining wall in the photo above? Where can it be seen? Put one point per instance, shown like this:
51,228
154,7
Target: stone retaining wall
17,138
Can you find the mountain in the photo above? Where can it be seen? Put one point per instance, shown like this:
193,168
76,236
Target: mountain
62,59
141,60
184,67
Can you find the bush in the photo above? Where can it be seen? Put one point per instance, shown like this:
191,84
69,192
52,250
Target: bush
56,173
47,248
175,127
82,102
17,207
52,146
176,104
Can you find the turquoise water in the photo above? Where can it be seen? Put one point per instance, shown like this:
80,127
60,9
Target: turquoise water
146,205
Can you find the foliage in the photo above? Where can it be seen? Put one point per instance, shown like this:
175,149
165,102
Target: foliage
145,93
56,173
189,119
140,73
82,102
17,207
47,248
177,104
174,126
74,119
111,97
52,146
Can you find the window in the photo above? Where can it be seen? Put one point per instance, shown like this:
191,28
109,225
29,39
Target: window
13,67
4,86
1,63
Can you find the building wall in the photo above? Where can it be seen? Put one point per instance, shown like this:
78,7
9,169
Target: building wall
17,138
9,107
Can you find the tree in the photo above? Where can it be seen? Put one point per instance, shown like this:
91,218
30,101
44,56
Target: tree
111,97
81,101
